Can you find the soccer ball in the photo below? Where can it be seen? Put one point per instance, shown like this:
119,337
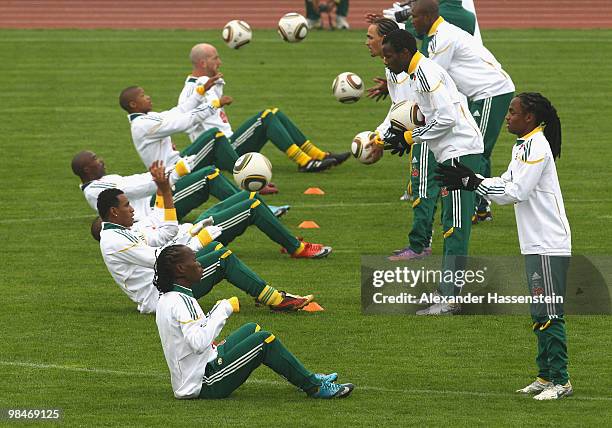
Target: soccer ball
252,171
347,87
361,147
236,34
406,116
293,27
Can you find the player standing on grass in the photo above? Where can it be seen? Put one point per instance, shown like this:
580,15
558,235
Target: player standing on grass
452,136
270,124
200,368
423,184
532,185
477,74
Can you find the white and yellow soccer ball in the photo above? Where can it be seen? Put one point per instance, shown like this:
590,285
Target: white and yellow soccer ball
361,147
236,34
347,87
406,116
252,171
293,27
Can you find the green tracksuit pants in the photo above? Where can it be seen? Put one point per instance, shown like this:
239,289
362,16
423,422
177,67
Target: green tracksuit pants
212,147
243,351
220,263
236,211
457,211
243,209
425,191
547,276
489,114
194,189
268,125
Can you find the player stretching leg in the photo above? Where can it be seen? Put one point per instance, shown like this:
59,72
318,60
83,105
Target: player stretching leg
532,185
199,368
268,125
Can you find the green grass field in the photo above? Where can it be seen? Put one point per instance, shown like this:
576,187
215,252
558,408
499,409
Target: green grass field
71,340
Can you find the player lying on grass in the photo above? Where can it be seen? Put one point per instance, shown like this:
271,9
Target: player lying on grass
270,124
191,189
237,210
130,252
152,131
532,185
200,368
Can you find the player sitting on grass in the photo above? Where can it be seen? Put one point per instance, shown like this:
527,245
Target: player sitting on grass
237,210
200,368
190,190
270,124
151,131
130,253
532,185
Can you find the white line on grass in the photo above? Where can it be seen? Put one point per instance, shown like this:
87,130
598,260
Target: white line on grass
276,383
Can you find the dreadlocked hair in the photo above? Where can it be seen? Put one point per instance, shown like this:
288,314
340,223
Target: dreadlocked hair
164,267
385,25
546,116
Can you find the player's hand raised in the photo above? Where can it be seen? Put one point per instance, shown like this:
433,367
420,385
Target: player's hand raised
380,90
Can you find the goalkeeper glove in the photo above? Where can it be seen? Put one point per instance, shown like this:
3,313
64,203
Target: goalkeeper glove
395,141
458,176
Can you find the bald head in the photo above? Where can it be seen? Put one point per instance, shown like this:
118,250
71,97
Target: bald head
205,60
424,14
80,160
427,7
87,166
201,52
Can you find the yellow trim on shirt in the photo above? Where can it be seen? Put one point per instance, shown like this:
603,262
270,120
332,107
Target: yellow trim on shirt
414,62
435,25
531,162
537,129
190,321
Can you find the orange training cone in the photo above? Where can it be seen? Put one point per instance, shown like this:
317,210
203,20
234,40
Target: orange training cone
314,191
307,224
313,307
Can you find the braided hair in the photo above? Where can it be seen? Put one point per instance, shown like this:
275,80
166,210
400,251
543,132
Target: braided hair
385,25
546,116
164,267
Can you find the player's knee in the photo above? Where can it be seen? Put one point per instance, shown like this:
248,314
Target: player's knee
253,326
264,337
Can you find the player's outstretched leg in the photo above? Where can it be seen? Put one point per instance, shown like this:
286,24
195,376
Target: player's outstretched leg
242,353
221,263
194,189
239,211
305,144
254,133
